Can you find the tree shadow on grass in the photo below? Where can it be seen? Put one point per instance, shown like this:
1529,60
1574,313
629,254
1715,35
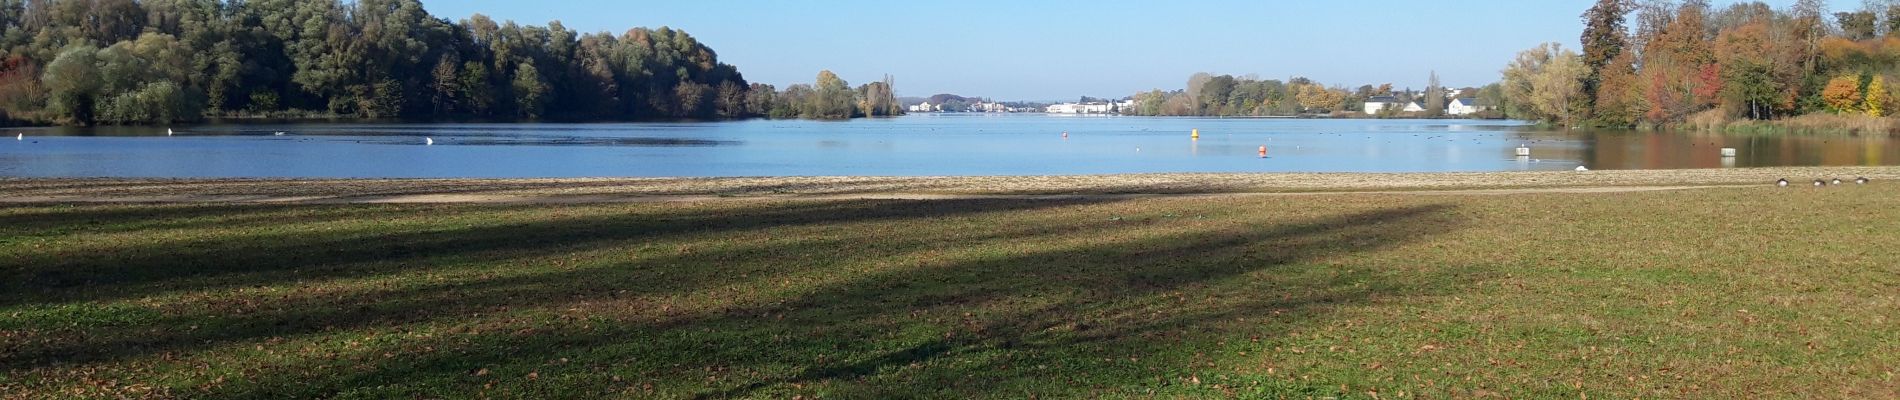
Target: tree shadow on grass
950,320
410,187
1119,296
106,219
279,255
307,254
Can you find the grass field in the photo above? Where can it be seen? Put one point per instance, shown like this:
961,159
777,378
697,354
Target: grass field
1712,293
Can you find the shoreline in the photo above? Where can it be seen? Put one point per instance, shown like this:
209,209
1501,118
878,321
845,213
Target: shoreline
595,190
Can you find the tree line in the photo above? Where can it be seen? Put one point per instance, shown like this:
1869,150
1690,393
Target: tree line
1689,61
158,61
1226,95
1229,96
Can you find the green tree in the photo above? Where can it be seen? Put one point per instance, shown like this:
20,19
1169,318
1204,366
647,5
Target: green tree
161,101
1492,97
478,93
366,58
834,98
530,91
72,82
1213,95
797,101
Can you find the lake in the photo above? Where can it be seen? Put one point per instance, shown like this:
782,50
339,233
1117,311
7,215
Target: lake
918,145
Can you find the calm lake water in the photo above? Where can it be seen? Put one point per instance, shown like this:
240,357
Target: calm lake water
913,145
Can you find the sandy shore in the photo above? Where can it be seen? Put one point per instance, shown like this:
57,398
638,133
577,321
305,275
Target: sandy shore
622,189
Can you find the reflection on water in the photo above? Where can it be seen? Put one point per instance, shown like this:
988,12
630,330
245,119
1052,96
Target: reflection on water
1649,150
915,145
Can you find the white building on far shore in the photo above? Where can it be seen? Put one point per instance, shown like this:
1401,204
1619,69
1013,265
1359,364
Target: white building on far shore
1376,104
1081,108
1464,106
988,107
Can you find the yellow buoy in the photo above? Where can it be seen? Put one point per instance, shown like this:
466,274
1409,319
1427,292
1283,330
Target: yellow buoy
1197,133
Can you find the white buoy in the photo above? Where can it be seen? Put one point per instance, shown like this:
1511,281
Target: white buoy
1580,168
1523,151
1728,152
428,141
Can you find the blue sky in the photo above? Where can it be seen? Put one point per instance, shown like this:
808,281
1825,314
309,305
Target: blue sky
1061,49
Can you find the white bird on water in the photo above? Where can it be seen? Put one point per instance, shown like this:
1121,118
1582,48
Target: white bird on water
19,137
428,141
278,134
168,131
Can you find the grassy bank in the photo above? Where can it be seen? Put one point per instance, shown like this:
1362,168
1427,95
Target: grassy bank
1715,293
1806,124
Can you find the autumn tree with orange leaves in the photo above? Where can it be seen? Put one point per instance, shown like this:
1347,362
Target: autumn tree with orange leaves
1743,61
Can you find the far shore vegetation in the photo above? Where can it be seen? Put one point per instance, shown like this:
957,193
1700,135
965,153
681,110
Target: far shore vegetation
1645,64
1744,68
82,62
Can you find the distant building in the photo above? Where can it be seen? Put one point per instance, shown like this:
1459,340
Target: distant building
1464,106
924,107
989,107
1413,107
1080,108
1377,104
